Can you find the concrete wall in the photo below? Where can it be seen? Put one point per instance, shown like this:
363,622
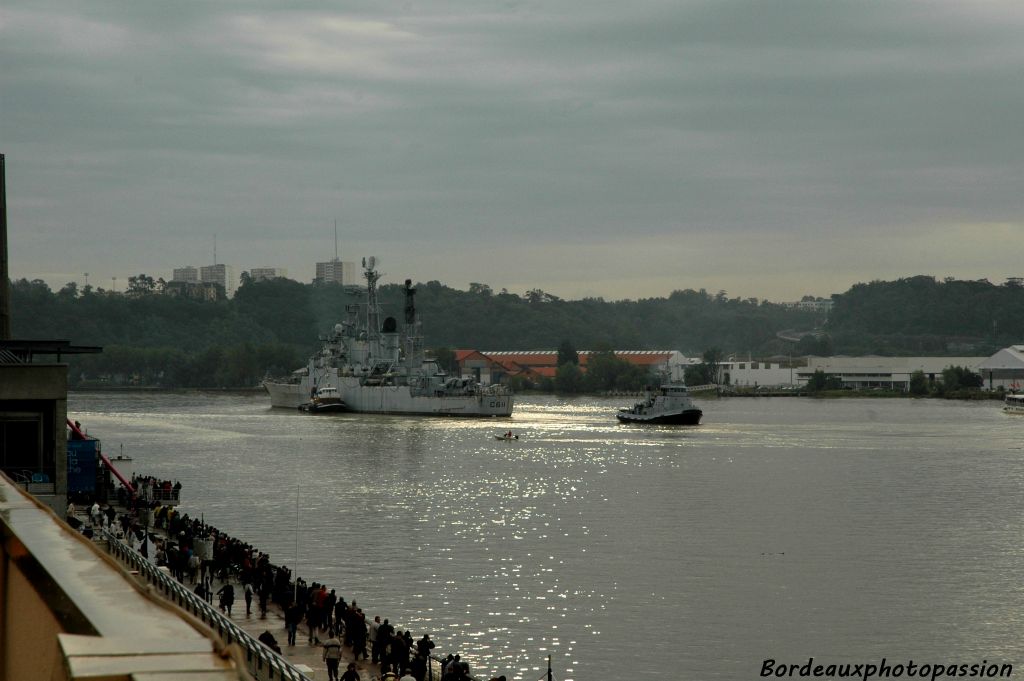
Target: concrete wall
42,389
69,612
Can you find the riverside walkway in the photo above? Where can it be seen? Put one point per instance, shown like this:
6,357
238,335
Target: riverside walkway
304,660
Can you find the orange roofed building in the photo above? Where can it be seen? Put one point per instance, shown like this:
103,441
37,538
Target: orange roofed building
537,364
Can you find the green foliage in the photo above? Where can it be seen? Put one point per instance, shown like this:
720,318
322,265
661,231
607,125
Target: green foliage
696,374
820,345
923,316
956,378
272,326
279,304
569,379
707,371
918,383
141,285
606,372
521,383
819,381
567,353
445,359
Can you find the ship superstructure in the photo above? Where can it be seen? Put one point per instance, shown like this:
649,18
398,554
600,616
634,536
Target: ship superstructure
378,365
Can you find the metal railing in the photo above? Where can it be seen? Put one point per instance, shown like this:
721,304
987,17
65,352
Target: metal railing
264,664
166,496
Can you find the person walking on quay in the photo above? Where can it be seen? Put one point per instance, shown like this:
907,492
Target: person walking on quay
227,597
398,659
384,632
200,590
350,674
292,617
358,626
329,603
264,594
374,626
340,609
424,646
332,655
193,566
248,599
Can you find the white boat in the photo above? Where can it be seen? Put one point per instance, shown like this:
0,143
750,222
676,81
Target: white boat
506,437
377,368
1013,404
670,404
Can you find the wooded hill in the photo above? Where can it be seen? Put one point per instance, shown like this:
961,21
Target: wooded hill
271,327
924,316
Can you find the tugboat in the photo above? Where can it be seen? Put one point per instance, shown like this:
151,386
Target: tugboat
670,404
377,365
325,400
1014,404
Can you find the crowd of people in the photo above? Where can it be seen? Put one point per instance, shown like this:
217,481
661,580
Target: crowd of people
149,489
196,553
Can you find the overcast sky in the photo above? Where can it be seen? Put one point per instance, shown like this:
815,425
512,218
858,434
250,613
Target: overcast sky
585,147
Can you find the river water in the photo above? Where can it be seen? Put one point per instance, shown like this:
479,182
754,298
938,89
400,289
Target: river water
783,528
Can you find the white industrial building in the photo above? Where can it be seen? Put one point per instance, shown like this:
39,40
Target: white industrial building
882,372
1004,369
753,372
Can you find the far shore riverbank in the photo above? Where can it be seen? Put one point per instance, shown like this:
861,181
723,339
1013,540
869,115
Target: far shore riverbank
722,392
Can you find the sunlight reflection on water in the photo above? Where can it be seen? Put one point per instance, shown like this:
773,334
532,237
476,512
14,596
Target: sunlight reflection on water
780,527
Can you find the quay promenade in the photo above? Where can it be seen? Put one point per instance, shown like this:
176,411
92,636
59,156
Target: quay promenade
305,658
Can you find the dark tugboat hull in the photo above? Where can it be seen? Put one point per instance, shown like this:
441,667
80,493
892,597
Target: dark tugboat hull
690,417
324,408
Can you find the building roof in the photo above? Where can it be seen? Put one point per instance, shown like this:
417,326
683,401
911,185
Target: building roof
13,351
549,358
463,355
879,364
1007,358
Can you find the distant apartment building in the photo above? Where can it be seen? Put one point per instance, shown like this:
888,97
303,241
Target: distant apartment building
195,290
189,274
820,306
265,273
336,271
224,275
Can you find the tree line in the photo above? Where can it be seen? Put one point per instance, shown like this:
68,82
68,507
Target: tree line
271,327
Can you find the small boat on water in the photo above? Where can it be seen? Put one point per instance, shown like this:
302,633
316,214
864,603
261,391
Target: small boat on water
324,400
1014,404
506,436
670,404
